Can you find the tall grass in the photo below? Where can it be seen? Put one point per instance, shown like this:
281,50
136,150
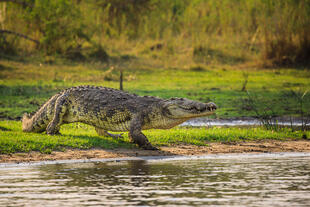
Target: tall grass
286,34
227,31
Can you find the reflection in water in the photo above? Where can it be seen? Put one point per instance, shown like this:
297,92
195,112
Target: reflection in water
232,181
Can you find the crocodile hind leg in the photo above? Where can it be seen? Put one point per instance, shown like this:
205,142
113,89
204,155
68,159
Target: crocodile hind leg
60,110
137,136
102,132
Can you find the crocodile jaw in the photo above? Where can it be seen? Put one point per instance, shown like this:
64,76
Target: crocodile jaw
182,108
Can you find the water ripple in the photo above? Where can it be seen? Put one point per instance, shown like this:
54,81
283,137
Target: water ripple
231,181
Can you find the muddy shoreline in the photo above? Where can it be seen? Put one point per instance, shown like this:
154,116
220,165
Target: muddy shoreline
265,146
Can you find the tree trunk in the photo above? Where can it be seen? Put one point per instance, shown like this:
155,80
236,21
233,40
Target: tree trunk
2,15
19,35
121,80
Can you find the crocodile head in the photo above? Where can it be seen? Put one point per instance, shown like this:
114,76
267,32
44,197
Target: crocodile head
182,108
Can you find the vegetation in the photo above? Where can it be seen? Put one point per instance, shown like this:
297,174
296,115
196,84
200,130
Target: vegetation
172,33
268,115
80,136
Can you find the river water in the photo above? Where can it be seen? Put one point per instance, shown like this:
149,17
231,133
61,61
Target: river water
213,180
198,122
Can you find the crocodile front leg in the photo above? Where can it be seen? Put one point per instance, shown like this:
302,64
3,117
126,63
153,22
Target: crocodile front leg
137,136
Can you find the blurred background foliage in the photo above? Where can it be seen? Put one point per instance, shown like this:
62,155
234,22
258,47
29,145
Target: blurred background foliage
184,32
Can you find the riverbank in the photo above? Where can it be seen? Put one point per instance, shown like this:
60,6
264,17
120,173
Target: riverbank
84,137
262,146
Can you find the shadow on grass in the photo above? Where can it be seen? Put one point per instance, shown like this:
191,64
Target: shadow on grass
103,142
207,55
131,149
27,90
5,68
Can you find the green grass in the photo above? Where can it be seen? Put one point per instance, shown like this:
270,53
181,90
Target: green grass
76,136
25,86
81,136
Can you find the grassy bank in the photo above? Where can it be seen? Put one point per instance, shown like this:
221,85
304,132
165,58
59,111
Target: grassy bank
25,86
80,136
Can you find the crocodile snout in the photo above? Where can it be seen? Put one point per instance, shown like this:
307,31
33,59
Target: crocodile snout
211,106
208,106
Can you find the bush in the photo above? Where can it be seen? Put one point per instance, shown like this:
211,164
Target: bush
7,47
286,29
59,23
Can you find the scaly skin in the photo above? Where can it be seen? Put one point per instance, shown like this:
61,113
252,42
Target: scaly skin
109,109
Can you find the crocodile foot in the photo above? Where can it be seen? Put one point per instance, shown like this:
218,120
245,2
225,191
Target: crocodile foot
149,147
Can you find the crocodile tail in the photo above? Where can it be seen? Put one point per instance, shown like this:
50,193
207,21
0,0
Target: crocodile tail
27,123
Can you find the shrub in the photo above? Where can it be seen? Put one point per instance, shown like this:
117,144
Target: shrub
59,23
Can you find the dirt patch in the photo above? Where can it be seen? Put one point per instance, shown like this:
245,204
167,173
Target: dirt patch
213,148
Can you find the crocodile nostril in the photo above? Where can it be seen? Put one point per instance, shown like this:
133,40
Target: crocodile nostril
214,106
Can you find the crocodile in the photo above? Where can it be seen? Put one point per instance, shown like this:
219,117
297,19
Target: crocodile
110,109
